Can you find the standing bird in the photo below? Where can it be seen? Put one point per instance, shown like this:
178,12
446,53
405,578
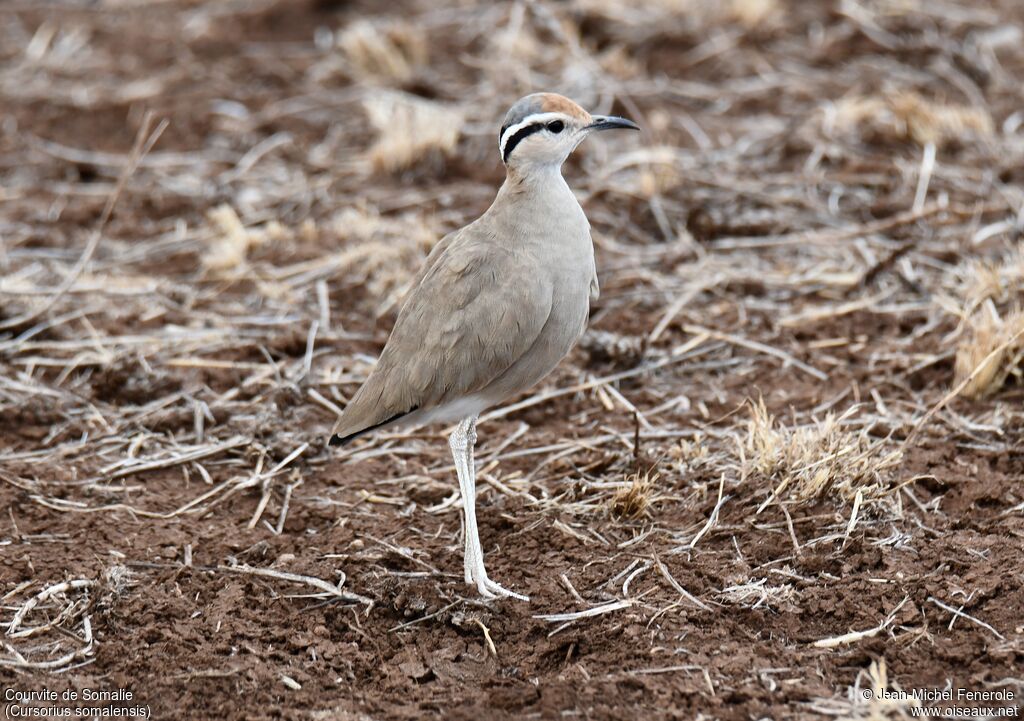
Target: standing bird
495,307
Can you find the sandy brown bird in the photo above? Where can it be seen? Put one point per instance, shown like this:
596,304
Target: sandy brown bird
497,304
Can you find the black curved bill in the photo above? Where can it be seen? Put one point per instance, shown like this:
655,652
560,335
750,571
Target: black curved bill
610,122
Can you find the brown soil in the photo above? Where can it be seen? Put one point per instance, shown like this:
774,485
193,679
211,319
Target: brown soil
767,212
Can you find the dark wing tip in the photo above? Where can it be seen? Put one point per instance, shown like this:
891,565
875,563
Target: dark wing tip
337,440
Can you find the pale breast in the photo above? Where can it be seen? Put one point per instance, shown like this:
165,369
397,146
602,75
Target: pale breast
570,266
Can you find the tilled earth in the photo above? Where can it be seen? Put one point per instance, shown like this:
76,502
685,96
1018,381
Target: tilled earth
768,239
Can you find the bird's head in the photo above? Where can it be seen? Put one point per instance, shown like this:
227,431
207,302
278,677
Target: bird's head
542,129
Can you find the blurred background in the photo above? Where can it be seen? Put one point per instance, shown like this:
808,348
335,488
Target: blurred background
811,305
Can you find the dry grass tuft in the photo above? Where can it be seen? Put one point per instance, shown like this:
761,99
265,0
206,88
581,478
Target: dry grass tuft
657,179
231,246
754,594
410,129
362,224
883,703
604,346
990,335
905,115
816,460
631,502
117,578
701,14
748,13
999,281
384,52
689,455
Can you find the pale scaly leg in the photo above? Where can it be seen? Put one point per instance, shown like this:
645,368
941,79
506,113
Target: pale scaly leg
467,551
464,439
458,442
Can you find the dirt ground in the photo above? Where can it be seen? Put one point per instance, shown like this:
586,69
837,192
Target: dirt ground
780,475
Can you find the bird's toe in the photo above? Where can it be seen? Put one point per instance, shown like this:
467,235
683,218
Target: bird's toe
496,589
484,591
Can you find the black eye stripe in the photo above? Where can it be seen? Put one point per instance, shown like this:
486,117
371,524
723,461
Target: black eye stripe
519,136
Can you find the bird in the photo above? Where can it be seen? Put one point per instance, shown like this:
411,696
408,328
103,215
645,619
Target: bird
495,307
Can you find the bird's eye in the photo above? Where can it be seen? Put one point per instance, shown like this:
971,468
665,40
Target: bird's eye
556,126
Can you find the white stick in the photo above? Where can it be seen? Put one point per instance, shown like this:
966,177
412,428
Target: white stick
590,612
297,578
924,177
43,595
961,614
713,518
855,636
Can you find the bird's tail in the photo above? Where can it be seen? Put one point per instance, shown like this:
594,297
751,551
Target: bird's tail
348,435
336,440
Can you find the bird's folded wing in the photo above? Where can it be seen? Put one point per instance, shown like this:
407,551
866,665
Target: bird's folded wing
476,310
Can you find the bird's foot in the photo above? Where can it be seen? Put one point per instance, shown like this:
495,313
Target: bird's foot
491,589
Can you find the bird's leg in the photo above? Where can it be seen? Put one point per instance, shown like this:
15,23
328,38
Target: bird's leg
464,439
473,549
458,442
461,442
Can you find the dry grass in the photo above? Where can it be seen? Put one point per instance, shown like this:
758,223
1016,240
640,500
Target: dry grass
987,298
872,697
633,501
906,115
385,252
387,52
700,14
818,459
410,130
755,594
231,242
999,280
690,455
992,350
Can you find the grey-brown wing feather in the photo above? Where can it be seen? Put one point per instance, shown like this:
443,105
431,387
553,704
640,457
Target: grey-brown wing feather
476,308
